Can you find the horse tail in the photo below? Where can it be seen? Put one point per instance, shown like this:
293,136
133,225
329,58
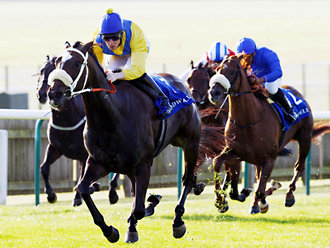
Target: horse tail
320,128
211,143
285,152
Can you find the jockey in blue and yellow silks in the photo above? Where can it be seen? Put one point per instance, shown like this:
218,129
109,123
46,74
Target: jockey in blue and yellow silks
266,68
122,49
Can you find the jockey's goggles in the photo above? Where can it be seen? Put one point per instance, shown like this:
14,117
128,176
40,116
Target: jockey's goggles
108,37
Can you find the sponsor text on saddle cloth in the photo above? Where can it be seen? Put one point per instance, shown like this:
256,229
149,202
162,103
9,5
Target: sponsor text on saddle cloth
178,99
299,106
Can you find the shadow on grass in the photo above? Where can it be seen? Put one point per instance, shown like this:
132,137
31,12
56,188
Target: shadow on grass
251,218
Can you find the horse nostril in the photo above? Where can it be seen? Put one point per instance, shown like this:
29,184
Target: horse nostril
67,93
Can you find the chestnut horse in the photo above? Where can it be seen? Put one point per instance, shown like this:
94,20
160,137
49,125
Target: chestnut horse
254,134
65,136
214,114
120,133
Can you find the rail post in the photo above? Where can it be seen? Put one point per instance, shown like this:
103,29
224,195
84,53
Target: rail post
37,161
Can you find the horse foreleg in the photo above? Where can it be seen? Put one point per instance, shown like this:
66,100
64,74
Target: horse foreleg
220,201
92,173
51,155
264,172
304,147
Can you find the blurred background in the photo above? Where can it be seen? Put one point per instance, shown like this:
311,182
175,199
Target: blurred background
179,31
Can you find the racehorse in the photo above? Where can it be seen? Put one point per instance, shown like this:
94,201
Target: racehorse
65,135
251,138
121,131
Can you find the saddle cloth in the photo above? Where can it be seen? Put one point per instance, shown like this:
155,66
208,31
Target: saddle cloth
299,106
177,98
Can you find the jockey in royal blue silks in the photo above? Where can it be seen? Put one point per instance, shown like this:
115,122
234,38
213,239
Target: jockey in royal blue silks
265,65
122,49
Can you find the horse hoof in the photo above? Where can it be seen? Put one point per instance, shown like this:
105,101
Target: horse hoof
289,202
131,237
113,196
179,232
76,202
264,208
150,210
114,236
246,192
199,188
255,210
96,186
154,199
52,198
222,207
241,198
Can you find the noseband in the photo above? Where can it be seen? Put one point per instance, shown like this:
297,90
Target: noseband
62,75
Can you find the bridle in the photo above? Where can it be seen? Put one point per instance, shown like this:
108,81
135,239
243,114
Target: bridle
62,75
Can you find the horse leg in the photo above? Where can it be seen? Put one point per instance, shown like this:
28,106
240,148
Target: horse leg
92,173
51,155
304,146
264,172
234,172
113,196
220,201
138,209
190,151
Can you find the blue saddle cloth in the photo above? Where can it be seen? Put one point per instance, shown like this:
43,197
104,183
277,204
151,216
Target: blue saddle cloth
177,98
299,106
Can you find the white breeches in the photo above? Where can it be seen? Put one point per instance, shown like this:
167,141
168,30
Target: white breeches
112,62
272,87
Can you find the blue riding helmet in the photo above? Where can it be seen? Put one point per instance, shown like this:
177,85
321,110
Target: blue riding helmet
246,45
111,23
217,51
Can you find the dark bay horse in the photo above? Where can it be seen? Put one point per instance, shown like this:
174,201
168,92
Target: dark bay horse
65,135
121,132
253,134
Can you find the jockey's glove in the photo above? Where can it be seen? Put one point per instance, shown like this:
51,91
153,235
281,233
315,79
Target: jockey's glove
113,76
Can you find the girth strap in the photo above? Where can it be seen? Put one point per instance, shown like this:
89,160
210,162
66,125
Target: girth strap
161,138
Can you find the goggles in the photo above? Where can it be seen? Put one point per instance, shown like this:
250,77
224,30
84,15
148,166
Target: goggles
108,37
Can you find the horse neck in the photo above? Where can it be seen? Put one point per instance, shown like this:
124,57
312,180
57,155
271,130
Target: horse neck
245,108
99,103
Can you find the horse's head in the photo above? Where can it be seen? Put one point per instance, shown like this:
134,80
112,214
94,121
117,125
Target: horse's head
198,83
70,75
231,76
42,86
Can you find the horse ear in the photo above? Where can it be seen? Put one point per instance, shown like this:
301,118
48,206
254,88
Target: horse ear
192,64
47,58
67,45
87,46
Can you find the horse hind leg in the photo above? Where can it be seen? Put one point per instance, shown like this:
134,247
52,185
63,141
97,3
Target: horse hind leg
299,168
113,196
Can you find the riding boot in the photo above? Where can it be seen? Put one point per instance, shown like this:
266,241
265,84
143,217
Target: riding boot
280,98
159,93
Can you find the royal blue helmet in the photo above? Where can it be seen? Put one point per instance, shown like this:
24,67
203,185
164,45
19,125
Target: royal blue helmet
217,51
111,23
246,45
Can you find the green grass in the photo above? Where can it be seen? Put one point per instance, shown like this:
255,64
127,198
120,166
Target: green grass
306,224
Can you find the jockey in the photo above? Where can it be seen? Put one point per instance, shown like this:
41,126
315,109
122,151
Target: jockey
122,48
266,68
216,53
